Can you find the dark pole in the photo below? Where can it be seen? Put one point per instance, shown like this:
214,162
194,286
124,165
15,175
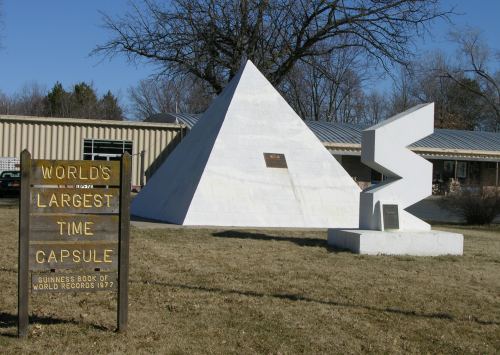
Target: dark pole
496,179
122,313
143,155
24,228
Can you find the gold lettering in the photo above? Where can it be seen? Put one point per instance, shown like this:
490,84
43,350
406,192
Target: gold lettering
72,172
89,256
40,252
76,256
94,173
64,254
61,224
107,255
65,198
81,175
98,201
106,172
52,257
96,260
60,172
53,201
46,172
87,229
77,227
77,201
38,204
108,197
86,201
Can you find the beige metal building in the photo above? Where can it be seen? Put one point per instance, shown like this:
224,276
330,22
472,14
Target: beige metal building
75,139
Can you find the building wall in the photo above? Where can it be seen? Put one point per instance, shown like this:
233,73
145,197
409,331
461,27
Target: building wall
476,172
61,138
358,171
489,174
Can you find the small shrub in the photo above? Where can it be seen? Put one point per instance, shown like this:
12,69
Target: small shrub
474,204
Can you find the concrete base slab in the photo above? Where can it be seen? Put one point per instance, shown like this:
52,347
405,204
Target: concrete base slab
418,243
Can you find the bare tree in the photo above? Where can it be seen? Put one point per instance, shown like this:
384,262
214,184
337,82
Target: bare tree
456,105
327,87
403,91
5,104
29,100
475,64
376,108
208,38
160,95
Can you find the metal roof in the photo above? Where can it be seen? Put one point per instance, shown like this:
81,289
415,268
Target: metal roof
88,122
185,118
350,134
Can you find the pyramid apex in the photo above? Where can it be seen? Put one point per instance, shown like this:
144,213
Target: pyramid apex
245,62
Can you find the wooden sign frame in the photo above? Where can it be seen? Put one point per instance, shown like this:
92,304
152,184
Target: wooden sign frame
73,176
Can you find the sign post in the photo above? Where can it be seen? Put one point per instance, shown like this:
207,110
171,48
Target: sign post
74,230
122,316
24,227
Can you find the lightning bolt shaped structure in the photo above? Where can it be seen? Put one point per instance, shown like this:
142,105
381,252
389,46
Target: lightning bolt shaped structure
409,177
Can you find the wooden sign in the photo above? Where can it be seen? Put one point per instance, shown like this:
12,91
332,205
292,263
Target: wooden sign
74,282
75,200
73,227
76,172
73,238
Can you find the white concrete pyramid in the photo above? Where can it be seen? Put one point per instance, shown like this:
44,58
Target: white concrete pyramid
218,175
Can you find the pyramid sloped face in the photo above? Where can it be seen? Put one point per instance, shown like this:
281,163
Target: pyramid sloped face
168,194
304,186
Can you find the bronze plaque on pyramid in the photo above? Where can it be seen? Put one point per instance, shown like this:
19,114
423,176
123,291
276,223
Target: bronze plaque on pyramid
391,216
275,160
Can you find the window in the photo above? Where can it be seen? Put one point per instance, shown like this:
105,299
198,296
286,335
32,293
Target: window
462,169
97,149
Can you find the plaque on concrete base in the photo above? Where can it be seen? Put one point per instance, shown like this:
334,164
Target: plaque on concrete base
390,217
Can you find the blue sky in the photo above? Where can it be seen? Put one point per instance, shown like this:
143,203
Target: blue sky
49,41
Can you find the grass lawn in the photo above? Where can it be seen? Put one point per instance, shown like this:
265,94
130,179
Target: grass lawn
268,291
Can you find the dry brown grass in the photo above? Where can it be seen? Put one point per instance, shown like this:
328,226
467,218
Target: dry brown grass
255,291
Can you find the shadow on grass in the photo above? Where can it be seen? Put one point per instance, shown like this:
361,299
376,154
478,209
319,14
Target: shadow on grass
304,242
8,320
294,297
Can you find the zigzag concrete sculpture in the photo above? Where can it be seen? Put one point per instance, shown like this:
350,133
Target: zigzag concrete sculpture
385,226
408,176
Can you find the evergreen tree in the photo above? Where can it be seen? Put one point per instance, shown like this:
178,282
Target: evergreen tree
109,109
84,101
57,102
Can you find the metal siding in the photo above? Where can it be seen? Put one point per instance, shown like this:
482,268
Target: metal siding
1,139
53,143
65,147
71,147
157,142
36,139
